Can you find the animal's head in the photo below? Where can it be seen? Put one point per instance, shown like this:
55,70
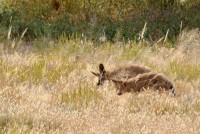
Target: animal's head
102,75
121,86
163,82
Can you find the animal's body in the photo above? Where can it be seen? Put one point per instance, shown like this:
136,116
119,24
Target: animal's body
123,72
145,80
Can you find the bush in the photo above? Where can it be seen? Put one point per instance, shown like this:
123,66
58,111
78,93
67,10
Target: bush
95,17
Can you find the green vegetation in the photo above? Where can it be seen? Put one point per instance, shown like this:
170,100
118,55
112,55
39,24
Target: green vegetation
185,71
120,19
84,94
46,56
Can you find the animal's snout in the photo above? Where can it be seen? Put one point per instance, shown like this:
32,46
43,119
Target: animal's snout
118,92
99,83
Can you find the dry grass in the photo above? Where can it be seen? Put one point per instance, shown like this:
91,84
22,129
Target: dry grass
52,90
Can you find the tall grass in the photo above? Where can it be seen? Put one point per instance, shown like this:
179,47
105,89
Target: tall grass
49,88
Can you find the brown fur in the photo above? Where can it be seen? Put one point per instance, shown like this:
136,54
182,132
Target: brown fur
119,73
136,84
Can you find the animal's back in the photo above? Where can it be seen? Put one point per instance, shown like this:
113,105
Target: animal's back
129,71
155,80
141,81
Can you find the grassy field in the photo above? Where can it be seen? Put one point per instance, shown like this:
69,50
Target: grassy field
47,87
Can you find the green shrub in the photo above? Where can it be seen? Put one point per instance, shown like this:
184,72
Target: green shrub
95,17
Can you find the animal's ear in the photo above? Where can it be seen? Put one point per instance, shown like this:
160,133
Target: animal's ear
101,68
96,74
117,81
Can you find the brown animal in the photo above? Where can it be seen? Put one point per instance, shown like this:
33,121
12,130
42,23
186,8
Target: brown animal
119,73
136,84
